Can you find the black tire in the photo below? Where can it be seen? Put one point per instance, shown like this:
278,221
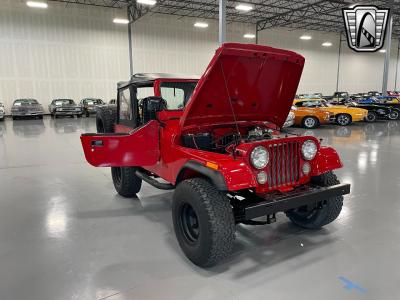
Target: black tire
317,217
14,118
126,183
203,222
371,117
310,122
343,119
79,116
394,114
105,119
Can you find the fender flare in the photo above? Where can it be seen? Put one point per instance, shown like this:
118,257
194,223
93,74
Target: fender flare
326,160
216,178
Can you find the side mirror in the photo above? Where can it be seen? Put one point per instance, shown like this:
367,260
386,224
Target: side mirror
150,107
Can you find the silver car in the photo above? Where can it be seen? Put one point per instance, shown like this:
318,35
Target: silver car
65,107
26,108
2,111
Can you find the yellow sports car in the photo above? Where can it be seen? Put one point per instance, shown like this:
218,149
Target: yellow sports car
343,115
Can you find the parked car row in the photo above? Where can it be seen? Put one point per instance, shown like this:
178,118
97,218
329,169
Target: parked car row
312,110
28,107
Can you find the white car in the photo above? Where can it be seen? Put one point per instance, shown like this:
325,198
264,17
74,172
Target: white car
2,111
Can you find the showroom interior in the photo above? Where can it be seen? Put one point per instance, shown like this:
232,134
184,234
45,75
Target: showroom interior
206,198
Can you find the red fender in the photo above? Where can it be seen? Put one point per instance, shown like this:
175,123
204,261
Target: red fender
326,160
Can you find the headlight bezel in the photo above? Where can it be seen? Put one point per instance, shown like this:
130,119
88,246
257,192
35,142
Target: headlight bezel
255,161
306,153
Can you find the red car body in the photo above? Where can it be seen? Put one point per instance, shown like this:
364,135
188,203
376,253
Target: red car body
156,146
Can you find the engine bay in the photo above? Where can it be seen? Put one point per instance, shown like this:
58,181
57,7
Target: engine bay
221,140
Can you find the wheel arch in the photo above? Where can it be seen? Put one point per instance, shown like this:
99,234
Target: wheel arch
192,169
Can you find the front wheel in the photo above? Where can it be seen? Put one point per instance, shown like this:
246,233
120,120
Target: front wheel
343,119
394,114
371,117
323,213
126,183
310,122
203,222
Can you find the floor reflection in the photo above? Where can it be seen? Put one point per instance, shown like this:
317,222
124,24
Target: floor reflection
28,128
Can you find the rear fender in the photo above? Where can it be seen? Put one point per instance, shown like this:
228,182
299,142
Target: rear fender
326,160
137,148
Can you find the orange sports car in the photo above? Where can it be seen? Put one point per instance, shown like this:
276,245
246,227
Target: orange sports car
311,117
343,115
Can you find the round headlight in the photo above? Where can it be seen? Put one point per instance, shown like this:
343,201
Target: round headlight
259,157
309,150
262,177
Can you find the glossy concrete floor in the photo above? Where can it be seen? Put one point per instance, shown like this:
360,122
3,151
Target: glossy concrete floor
65,234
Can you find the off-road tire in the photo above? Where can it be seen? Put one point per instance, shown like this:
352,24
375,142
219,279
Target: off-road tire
126,183
214,215
318,217
341,122
371,117
105,119
310,122
394,115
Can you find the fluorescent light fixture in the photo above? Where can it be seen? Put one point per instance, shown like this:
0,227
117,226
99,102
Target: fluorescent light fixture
36,4
244,7
121,21
306,37
200,25
382,50
326,44
146,2
249,36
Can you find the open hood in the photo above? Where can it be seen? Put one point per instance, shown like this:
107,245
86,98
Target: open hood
252,82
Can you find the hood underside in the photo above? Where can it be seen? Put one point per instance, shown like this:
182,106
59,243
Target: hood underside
245,82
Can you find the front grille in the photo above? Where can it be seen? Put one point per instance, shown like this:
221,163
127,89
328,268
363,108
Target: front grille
284,165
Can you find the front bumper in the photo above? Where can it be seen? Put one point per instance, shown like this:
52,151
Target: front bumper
255,206
26,114
68,113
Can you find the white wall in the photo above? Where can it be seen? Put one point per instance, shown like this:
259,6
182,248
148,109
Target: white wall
76,51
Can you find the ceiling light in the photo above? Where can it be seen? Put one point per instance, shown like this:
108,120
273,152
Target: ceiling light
147,2
36,4
200,25
121,21
305,37
249,36
326,44
382,50
244,7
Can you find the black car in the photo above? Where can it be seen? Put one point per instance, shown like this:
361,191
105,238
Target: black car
376,111
90,105
65,107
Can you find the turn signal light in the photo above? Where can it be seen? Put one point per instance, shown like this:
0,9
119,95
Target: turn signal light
212,165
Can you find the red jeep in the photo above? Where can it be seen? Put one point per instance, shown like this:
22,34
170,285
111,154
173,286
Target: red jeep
216,141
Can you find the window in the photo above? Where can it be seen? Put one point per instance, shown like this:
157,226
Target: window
125,105
177,94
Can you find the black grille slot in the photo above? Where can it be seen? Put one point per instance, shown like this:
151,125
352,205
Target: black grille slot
284,163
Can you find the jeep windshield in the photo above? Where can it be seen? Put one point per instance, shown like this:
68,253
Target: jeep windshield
177,94
21,102
60,102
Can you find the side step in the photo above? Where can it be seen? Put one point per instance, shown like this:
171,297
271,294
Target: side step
153,182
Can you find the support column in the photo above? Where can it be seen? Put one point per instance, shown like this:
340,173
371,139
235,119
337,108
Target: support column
397,65
222,21
338,62
388,44
130,41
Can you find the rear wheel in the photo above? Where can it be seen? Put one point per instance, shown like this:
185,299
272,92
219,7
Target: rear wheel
203,222
126,183
322,213
371,117
310,122
343,119
394,115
